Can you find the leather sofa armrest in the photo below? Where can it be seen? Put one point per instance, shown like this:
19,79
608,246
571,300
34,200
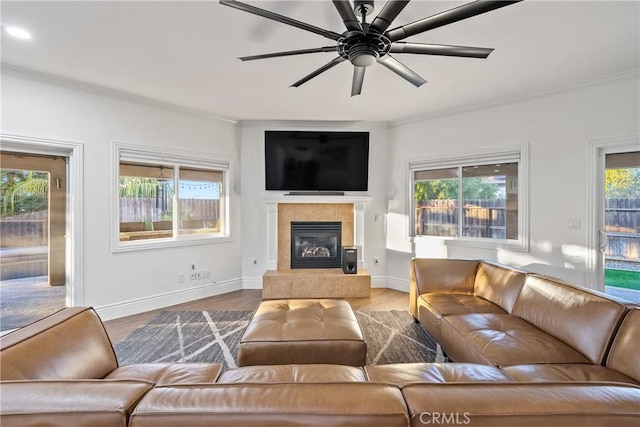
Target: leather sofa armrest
94,403
444,275
432,275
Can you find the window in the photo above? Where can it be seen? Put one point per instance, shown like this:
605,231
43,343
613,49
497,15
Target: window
471,199
166,198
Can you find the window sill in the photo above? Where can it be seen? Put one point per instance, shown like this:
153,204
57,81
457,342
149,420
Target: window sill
151,244
513,245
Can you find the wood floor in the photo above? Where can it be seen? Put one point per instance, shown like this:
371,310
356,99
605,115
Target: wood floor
248,299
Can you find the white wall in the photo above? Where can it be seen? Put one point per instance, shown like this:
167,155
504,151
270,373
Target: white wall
254,210
558,128
127,282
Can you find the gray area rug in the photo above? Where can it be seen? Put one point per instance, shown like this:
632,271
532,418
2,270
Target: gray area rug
213,336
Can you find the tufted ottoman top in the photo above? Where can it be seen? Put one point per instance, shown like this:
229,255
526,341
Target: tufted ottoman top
306,319
303,331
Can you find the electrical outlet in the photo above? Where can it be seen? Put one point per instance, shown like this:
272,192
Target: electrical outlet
206,274
574,224
376,261
180,277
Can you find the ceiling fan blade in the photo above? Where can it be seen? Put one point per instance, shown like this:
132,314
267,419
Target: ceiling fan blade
389,12
289,53
402,70
348,15
280,18
358,79
320,70
440,49
450,16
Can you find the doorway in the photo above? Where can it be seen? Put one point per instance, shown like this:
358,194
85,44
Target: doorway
621,234
616,210
33,223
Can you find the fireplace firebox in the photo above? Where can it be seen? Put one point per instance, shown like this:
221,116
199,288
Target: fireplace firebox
316,244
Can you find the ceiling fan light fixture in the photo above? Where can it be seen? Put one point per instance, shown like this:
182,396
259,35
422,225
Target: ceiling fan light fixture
364,60
363,55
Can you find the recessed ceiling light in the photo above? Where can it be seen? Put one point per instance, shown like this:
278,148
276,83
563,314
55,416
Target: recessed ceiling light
18,32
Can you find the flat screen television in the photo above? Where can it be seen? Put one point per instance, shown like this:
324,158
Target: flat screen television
316,161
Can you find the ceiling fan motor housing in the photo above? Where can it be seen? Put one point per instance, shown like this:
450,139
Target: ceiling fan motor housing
363,50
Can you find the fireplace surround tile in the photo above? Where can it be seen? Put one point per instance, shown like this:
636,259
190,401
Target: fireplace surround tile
288,212
315,283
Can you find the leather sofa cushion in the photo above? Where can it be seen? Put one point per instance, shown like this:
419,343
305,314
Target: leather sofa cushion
502,340
499,284
523,405
271,405
584,320
64,403
303,331
445,304
433,307
69,344
625,351
168,373
402,374
317,373
552,372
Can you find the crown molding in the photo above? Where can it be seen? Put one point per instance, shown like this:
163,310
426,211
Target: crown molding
40,76
635,73
31,74
319,124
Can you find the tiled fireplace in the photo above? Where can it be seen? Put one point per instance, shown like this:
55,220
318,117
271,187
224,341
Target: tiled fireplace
283,281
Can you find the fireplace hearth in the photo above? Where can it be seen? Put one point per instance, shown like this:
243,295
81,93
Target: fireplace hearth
316,244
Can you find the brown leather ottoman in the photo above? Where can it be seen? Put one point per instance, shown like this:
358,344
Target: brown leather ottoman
303,331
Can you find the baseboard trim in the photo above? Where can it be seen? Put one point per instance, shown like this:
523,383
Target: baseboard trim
252,283
154,302
378,282
397,284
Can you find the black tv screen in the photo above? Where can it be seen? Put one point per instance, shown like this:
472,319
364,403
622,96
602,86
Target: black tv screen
316,161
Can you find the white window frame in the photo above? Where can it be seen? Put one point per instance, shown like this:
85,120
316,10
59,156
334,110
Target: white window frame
174,159
511,154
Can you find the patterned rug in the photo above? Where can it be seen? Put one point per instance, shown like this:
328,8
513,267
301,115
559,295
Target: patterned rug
213,336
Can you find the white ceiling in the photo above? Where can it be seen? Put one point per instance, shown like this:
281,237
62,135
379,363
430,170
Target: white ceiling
184,53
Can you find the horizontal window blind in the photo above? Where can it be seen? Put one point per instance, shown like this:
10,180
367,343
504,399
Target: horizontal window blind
511,156
623,160
200,175
146,171
136,155
425,175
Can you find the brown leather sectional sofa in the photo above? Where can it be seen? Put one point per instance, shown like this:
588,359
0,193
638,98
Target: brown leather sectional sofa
62,371
533,327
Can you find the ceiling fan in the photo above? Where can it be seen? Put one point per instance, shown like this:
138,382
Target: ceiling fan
364,43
